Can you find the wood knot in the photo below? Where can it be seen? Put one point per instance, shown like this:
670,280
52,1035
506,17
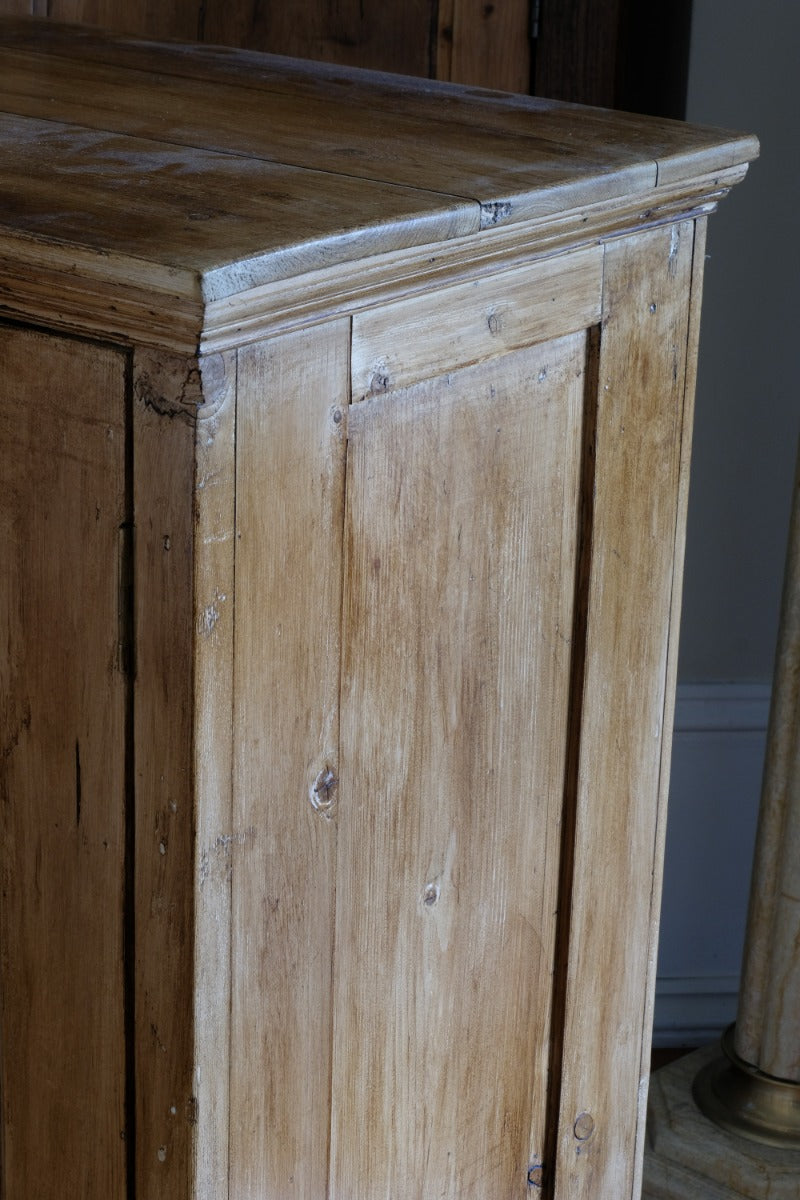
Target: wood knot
322,794
584,1126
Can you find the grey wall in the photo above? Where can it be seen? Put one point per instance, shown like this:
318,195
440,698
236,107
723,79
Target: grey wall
744,73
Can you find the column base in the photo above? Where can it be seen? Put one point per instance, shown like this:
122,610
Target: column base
688,1157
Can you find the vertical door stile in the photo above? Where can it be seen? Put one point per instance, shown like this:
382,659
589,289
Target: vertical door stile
214,584
628,687
293,392
681,512
168,396
63,724
577,669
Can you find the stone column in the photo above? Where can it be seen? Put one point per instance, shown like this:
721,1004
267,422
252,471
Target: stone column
768,1022
754,1089
726,1122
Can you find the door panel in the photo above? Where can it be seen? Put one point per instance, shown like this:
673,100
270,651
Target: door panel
62,767
460,530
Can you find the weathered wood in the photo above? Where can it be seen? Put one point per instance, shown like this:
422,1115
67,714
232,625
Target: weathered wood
682,507
319,189
399,344
335,291
291,423
402,374
214,488
65,786
482,44
358,33
174,19
475,141
166,396
248,211
641,387
614,54
577,52
454,705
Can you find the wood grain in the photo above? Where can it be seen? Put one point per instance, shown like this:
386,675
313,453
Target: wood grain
64,791
460,577
577,53
291,422
359,33
682,508
174,19
227,102
377,701
486,45
236,221
638,458
166,391
214,491
517,157
395,345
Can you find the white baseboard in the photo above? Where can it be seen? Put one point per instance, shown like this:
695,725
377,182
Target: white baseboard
718,748
727,707
693,1011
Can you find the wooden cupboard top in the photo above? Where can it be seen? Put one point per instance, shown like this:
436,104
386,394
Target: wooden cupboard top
204,174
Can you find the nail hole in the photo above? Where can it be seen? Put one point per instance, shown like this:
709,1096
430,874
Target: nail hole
536,1175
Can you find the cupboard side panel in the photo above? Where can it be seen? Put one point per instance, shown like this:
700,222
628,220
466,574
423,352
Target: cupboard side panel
166,398
62,767
624,731
293,393
462,504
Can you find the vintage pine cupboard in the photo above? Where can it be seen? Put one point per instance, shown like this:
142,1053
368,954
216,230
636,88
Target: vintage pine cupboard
344,428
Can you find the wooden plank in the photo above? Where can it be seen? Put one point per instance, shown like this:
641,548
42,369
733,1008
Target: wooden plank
63,787
166,397
176,19
486,45
359,33
462,500
383,278
215,845
577,52
529,170
291,421
638,462
367,101
188,207
689,382
616,55
397,344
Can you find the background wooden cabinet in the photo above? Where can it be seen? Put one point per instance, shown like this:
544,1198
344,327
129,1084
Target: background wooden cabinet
345,511
606,52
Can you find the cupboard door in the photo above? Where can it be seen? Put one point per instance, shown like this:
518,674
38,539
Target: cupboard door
460,539
62,767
